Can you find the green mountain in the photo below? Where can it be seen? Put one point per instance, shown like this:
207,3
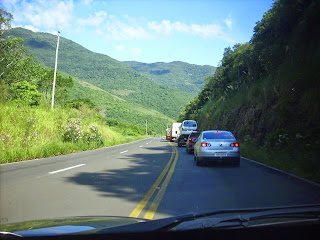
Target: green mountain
104,72
113,107
187,77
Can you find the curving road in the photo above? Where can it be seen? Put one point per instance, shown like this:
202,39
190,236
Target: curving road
150,178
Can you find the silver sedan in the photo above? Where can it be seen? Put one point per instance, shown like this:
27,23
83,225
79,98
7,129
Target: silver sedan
217,146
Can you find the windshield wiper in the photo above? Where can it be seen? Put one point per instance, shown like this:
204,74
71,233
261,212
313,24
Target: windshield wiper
222,218
246,214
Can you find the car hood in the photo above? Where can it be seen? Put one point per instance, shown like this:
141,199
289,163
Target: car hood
220,218
65,226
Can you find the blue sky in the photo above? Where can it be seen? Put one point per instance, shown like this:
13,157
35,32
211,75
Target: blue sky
147,30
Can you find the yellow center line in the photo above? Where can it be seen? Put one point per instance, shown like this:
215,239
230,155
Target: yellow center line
136,212
156,202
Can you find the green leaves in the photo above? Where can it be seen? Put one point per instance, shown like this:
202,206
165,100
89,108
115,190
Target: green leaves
25,93
5,21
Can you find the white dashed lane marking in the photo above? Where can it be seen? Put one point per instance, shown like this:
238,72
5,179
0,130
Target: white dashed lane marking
65,169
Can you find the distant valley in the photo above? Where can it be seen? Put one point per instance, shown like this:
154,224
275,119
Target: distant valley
184,76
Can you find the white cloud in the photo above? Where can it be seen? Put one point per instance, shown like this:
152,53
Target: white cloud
117,30
42,14
228,22
206,31
95,20
32,28
136,51
99,32
166,27
120,48
86,2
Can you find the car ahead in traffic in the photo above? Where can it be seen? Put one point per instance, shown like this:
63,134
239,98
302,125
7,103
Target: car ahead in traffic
192,139
187,127
217,146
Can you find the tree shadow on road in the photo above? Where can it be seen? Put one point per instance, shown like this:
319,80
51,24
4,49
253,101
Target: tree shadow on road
130,177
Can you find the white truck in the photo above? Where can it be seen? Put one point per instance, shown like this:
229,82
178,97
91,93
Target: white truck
175,131
187,127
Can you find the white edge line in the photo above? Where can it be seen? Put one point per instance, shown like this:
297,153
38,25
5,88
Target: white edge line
124,151
65,169
284,172
43,158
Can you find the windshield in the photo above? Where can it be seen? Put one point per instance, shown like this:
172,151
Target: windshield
98,100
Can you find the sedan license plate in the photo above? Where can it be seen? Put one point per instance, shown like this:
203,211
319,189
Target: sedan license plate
221,154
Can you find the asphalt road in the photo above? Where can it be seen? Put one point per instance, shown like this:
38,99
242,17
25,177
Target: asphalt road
150,178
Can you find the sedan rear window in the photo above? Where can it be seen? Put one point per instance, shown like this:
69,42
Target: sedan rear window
218,135
189,124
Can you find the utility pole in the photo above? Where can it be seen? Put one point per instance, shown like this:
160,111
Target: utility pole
55,72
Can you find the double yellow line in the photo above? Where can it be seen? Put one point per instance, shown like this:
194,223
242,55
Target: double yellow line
156,186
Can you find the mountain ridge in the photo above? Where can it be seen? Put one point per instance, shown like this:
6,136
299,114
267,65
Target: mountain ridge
104,72
187,77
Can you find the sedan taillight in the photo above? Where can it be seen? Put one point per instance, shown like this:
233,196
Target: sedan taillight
204,144
234,144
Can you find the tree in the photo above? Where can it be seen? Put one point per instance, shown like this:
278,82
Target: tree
5,21
26,93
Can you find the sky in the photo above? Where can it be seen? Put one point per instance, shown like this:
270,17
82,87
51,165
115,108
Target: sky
191,31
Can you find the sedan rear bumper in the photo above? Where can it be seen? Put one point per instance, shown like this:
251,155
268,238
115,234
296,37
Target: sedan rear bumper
220,159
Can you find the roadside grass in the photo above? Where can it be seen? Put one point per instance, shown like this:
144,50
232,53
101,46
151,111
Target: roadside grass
302,162
34,132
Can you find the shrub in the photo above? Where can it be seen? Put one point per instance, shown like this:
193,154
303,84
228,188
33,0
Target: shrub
78,103
93,135
73,131
112,122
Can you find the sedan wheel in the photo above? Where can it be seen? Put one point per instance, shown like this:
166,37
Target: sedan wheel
198,163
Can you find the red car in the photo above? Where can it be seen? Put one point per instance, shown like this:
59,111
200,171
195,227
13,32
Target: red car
192,139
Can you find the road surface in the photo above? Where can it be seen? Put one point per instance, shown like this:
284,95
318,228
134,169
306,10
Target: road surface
150,179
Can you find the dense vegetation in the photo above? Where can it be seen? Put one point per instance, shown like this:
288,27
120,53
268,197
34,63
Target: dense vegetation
184,76
31,132
30,129
267,90
104,72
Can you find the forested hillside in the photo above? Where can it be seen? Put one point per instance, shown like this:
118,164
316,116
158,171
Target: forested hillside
116,110
266,91
104,72
83,117
187,77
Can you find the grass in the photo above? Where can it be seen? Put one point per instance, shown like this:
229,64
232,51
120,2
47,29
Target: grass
302,162
34,132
